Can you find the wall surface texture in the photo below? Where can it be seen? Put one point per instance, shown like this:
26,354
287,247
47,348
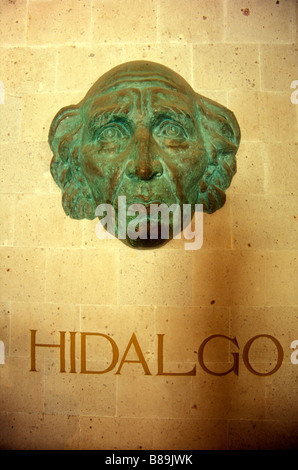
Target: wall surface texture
57,276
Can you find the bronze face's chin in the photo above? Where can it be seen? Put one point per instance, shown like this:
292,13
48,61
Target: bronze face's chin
145,225
144,244
145,239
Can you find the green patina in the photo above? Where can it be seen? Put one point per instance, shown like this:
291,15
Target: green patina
142,132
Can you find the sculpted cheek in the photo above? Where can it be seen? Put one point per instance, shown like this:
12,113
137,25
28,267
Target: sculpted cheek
196,167
103,174
91,163
185,169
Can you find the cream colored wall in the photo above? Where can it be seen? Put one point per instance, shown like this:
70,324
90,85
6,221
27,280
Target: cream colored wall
57,276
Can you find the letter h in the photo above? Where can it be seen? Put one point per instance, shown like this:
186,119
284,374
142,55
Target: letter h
42,345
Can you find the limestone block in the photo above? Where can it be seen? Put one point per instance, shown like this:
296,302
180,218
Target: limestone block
7,207
60,286
226,66
119,323
198,21
264,222
252,159
140,397
100,274
281,399
128,21
10,118
32,177
247,322
31,431
260,22
228,278
278,66
39,223
190,434
74,394
58,21
116,433
184,330
281,168
38,112
23,274
27,69
266,116
15,378
230,396
281,277
167,279
265,434
80,67
13,22
93,276
48,319
5,326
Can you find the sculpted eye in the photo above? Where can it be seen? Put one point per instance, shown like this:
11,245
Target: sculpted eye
171,130
112,133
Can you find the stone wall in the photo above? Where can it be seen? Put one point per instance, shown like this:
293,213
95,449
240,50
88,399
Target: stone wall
57,276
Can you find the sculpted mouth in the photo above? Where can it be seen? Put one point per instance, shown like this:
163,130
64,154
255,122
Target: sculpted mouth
141,198
159,191
145,200
147,203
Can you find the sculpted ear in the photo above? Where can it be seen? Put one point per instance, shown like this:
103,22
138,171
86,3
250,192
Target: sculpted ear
221,135
64,140
62,137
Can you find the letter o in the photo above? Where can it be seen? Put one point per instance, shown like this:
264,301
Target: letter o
279,358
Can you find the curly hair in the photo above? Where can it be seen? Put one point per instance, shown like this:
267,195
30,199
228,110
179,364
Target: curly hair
64,140
221,135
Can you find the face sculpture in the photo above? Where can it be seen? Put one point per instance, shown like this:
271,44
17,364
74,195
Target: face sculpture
142,133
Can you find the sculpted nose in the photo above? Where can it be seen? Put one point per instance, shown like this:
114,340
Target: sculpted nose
143,164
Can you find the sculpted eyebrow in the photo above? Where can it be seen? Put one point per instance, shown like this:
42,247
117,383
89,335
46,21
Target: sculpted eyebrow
107,114
173,112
